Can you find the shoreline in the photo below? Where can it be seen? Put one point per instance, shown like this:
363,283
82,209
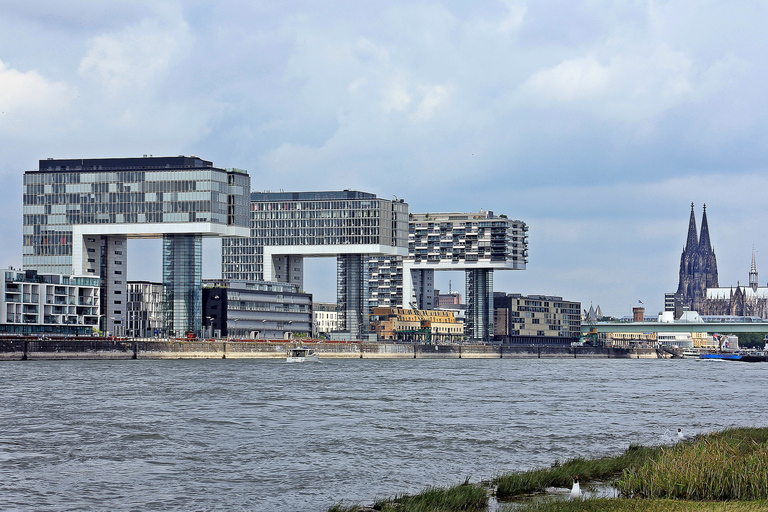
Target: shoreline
118,349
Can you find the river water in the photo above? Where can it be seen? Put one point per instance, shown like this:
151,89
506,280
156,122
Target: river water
266,435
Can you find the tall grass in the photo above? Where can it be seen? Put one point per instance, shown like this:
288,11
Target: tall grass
461,498
561,475
637,505
730,465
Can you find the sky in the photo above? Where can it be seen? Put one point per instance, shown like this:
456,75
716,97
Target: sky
597,123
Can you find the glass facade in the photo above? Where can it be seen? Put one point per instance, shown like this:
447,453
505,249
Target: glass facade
182,284
479,304
287,226
301,219
75,212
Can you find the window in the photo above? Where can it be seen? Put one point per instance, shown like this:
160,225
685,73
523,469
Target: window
118,302
118,272
118,282
118,262
91,250
120,253
118,292
118,242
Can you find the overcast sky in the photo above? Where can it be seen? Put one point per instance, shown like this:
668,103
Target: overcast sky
597,123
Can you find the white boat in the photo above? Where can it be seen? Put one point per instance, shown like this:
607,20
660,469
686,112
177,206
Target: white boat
301,355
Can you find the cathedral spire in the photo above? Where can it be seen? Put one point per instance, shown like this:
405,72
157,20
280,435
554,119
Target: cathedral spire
753,272
704,243
693,240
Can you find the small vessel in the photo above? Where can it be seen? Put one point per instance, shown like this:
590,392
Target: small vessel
302,355
691,353
721,356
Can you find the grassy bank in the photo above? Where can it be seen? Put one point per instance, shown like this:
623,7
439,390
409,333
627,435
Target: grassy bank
725,471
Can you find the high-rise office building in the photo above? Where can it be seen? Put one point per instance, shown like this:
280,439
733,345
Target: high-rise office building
286,227
79,214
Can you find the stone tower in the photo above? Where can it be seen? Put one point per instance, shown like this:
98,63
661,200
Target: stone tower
698,266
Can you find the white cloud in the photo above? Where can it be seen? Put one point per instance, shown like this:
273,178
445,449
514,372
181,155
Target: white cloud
134,57
433,98
29,102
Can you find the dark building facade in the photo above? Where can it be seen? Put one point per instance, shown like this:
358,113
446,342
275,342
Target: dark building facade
698,267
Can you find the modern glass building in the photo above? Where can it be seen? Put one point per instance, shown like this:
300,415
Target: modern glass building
79,213
286,227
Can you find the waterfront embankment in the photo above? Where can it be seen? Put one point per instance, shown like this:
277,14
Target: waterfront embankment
105,348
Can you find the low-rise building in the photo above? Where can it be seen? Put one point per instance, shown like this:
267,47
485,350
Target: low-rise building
35,303
145,309
255,310
399,324
536,319
325,318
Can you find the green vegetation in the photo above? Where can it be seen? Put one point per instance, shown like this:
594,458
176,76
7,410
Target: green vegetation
527,482
461,498
732,465
637,505
711,472
752,339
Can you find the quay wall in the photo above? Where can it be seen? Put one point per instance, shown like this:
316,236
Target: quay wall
104,348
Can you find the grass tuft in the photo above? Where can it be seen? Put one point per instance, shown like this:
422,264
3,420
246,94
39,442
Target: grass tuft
461,498
729,465
561,474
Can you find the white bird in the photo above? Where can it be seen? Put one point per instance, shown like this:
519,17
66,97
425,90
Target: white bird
681,436
576,489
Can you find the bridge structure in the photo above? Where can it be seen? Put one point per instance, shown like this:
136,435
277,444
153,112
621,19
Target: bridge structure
708,327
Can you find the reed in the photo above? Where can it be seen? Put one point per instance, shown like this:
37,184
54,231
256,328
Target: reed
636,505
461,498
561,475
729,465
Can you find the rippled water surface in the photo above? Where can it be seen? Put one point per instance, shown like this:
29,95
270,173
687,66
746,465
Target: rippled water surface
266,435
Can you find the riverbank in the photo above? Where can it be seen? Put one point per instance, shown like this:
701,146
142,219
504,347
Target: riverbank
719,471
106,348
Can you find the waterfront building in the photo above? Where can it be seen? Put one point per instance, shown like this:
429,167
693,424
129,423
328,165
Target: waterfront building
476,243
79,213
751,300
48,303
698,288
536,319
286,227
145,309
325,318
401,324
698,266
256,309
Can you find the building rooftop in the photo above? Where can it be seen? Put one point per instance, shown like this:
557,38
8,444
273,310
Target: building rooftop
311,196
106,164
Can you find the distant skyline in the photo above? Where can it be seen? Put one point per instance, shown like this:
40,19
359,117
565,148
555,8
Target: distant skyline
596,123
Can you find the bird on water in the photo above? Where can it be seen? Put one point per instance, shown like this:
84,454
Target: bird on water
576,489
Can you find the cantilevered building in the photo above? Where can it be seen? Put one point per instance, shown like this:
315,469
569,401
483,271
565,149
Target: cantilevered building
79,213
477,243
286,227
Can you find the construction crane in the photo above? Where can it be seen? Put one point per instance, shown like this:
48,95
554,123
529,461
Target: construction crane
591,337
425,325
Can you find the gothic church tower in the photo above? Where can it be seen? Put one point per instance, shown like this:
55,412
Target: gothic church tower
698,266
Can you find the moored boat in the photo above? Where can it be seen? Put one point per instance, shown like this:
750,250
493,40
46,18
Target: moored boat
302,355
721,356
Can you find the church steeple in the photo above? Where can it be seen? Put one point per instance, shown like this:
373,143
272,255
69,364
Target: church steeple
693,240
704,243
753,272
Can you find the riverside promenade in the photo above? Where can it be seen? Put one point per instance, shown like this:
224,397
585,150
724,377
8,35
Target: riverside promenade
106,348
